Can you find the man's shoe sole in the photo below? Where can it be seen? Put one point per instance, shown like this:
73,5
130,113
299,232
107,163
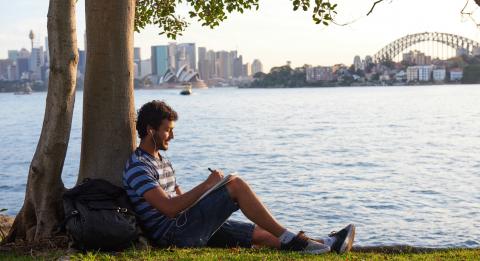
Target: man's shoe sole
348,242
316,252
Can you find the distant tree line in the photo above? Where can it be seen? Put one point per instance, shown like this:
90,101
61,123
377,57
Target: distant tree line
280,77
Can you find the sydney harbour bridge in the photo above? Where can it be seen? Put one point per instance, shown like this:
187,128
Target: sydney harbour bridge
438,45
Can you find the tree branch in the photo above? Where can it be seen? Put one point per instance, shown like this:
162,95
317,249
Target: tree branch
373,6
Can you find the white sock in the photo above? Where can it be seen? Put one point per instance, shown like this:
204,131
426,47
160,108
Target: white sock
286,237
329,241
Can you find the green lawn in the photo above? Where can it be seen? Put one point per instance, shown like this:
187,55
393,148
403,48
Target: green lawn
243,254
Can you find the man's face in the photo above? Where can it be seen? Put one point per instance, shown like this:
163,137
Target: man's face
164,134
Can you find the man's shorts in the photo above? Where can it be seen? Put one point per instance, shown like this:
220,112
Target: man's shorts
206,224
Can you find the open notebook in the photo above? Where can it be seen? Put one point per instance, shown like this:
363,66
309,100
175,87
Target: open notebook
221,183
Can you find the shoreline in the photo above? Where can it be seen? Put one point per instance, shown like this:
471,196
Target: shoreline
6,222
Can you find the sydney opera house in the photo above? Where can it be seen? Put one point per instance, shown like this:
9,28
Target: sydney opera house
182,77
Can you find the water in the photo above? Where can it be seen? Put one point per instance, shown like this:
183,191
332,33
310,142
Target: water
402,163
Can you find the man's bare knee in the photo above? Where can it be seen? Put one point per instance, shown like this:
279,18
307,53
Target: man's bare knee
236,185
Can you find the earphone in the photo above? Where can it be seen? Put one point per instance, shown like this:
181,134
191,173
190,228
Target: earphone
153,138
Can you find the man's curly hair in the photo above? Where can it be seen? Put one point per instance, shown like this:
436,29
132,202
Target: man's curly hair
153,113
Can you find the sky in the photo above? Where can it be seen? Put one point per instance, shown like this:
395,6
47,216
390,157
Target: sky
274,33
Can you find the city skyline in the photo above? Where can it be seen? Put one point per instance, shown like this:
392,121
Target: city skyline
272,34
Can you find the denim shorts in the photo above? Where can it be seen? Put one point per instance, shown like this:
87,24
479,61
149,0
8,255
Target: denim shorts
207,224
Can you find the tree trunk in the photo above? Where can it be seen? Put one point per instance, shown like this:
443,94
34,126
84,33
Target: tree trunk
108,134
42,208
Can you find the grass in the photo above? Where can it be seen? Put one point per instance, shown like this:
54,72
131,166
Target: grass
241,254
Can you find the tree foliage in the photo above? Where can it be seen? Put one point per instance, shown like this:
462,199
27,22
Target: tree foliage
282,76
163,13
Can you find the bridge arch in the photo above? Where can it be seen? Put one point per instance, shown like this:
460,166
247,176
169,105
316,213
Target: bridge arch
396,47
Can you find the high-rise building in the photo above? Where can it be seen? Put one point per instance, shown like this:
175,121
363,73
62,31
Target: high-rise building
368,60
211,58
13,55
238,67
203,66
159,60
222,64
257,66
37,60
187,54
357,63
47,52
146,68
4,65
23,53
319,73
12,72
172,55
22,67
82,60
137,59
247,70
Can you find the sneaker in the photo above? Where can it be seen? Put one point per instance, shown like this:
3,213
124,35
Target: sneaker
343,239
304,244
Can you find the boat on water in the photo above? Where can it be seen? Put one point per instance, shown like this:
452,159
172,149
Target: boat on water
24,91
187,89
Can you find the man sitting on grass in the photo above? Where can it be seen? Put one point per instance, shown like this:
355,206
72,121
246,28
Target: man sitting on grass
165,212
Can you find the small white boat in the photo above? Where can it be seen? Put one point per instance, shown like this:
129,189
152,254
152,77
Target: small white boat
187,89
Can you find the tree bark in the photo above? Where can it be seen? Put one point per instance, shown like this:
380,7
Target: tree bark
42,208
108,134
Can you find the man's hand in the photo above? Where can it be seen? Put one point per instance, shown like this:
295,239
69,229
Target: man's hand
215,177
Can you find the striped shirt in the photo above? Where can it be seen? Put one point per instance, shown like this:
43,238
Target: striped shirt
142,173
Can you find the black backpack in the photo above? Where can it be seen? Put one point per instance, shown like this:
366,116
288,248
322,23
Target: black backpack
98,216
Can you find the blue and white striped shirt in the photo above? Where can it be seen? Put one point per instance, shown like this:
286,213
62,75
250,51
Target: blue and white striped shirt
142,173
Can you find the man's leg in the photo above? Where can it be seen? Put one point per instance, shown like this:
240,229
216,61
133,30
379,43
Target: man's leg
269,231
252,207
262,237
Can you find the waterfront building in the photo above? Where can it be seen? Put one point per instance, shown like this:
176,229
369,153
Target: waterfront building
416,57
368,60
47,52
222,63
357,63
238,67
401,76
172,55
257,66
187,54
82,61
159,59
137,60
13,55
456,74
211,58
246,70
37,60
146,68
23,53
4,64
203,65
425,73
12,72
439,74
412,73
23,67
319,73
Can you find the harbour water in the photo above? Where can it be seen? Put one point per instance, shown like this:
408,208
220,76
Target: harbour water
402,163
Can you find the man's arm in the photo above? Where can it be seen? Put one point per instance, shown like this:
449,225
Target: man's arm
170,207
